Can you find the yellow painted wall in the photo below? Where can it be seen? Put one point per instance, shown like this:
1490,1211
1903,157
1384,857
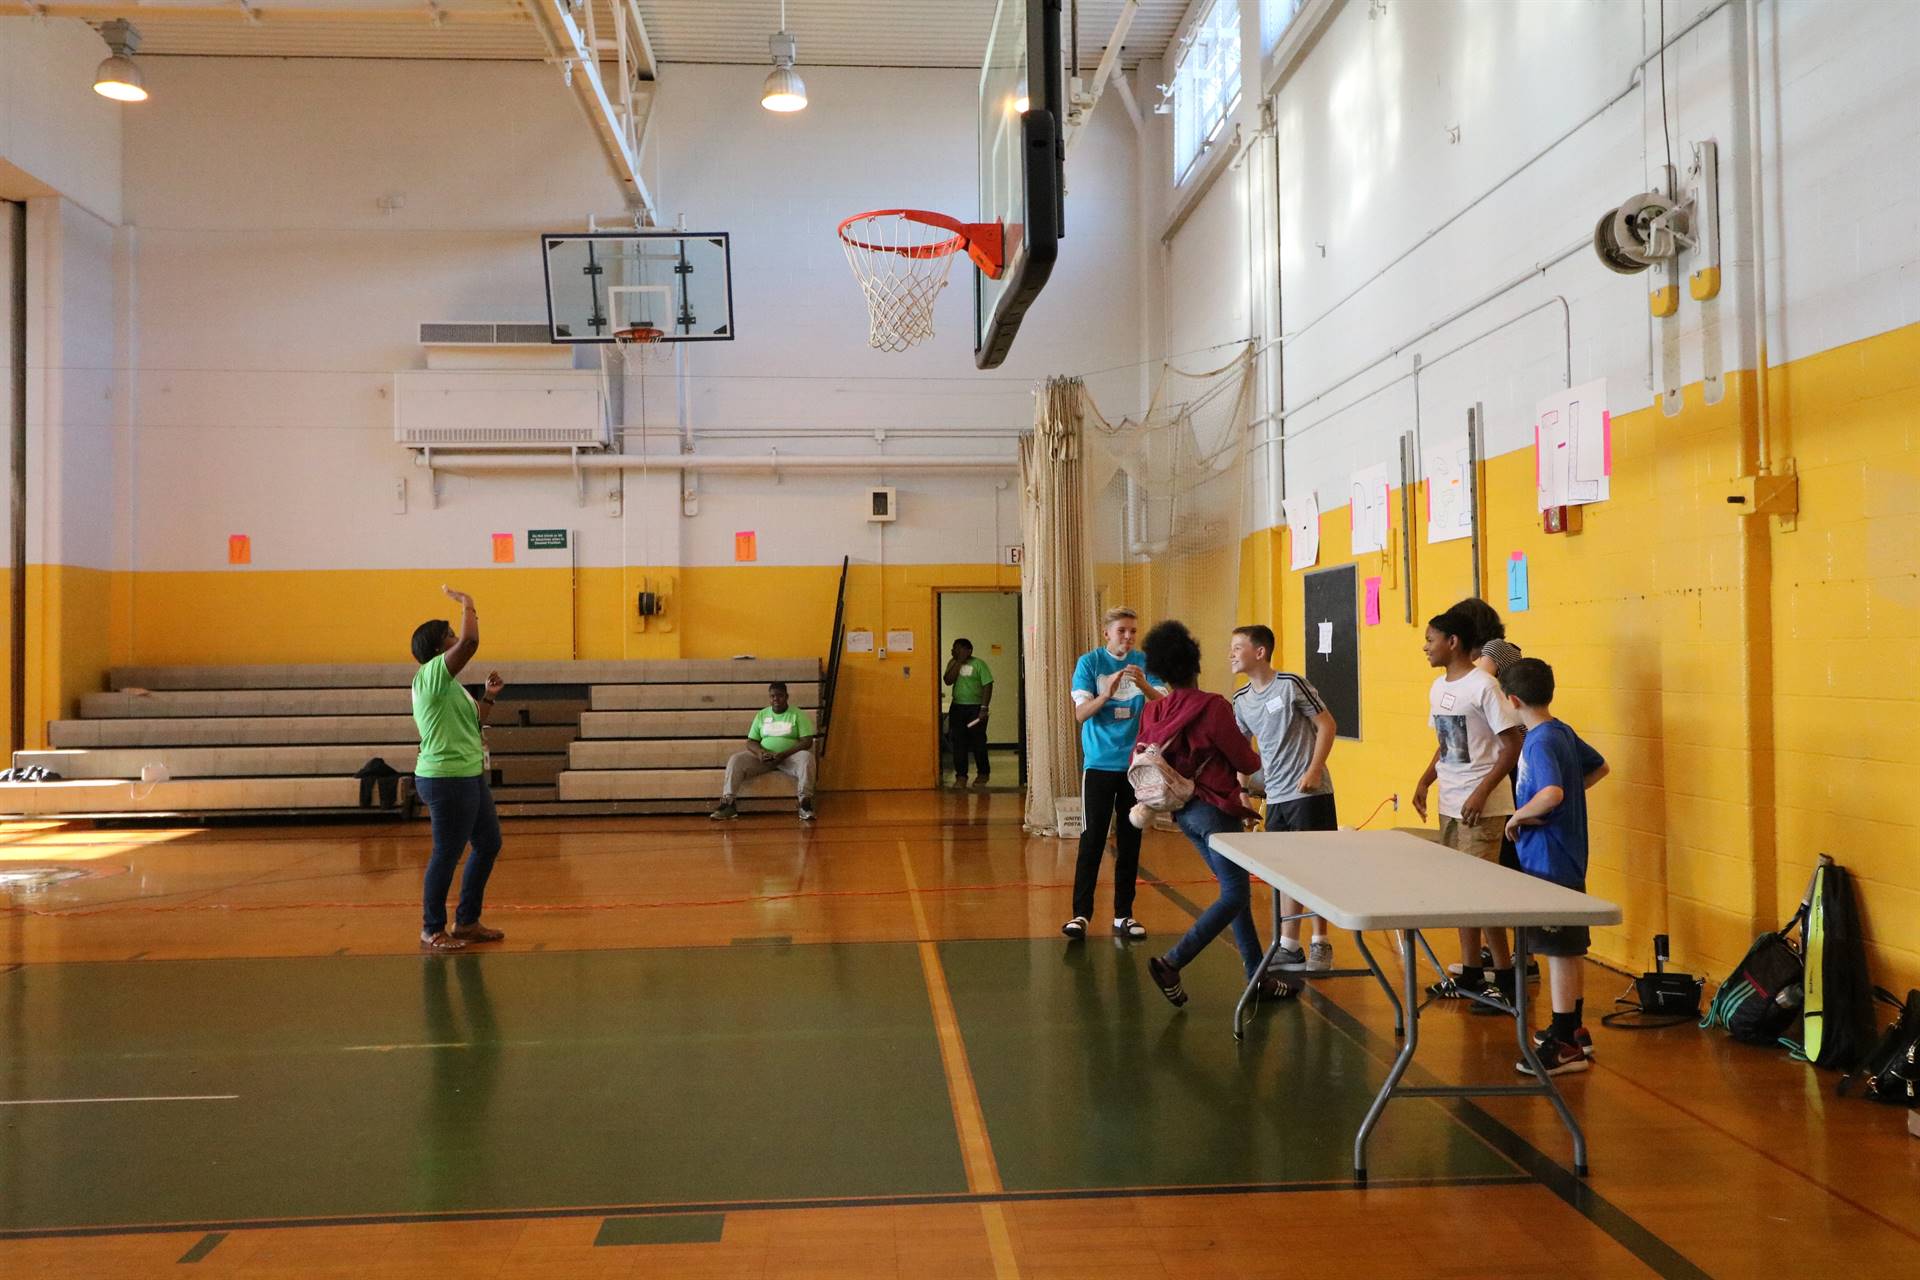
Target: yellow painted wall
1756,690
68,642
886,711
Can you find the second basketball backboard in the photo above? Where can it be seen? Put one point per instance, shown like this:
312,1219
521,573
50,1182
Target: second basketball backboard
665,286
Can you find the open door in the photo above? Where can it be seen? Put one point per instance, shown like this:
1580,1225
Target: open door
990,618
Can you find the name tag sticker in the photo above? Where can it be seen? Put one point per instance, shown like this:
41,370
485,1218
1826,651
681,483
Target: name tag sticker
1446,702
967,670
777,728
1123,713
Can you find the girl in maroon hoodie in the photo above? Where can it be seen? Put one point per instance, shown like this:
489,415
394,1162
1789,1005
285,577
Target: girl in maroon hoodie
1197,736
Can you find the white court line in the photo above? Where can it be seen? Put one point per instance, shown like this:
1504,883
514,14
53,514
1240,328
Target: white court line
61,1102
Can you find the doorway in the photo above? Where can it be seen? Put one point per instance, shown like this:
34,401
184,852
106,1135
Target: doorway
990,618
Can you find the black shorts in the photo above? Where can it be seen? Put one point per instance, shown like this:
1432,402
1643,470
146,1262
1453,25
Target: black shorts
1558,939
1307,813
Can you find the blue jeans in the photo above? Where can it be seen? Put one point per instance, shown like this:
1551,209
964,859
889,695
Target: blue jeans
1234,906
462,814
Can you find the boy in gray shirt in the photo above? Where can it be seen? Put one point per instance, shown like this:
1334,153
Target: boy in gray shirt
1295,732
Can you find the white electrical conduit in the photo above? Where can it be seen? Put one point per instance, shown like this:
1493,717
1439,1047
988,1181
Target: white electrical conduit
770,462
1633,82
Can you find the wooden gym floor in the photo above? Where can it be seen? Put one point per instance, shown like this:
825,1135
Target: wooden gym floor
860,1049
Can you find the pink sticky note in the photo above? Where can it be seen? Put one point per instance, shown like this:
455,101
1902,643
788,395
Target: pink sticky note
1373,602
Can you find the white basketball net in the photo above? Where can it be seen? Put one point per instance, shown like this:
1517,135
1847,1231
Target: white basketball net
902,266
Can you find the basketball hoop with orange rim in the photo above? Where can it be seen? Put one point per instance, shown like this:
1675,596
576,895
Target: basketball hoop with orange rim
902,258
638,333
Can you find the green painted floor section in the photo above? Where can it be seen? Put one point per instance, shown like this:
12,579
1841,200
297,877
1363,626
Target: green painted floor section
1089,1078
389,1086
511,1081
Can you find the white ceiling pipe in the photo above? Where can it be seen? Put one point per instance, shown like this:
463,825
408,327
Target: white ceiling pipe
713,462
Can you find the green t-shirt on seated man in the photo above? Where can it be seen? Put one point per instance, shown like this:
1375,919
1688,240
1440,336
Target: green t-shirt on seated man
449,724
780,730
974,675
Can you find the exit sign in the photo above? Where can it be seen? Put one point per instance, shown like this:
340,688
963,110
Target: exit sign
546,539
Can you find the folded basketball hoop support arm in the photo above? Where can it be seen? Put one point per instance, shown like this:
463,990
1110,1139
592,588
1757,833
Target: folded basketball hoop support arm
576,51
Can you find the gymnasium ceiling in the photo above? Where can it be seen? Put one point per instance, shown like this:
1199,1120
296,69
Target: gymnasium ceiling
879,33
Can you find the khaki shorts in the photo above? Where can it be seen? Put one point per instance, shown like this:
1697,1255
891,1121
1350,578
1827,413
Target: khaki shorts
1482,840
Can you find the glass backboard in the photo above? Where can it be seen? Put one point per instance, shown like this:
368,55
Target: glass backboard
1022,159
601,283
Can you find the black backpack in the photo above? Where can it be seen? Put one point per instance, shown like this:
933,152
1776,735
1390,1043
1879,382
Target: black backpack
1890,1070
1839,1006
1760,1001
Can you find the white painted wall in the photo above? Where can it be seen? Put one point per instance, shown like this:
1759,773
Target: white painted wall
56,134
1416,226
71,381
275,298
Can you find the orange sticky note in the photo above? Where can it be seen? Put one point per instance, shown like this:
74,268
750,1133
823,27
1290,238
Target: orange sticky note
239,549
746,546
503,548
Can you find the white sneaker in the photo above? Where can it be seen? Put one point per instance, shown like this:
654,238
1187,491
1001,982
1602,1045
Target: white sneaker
1319,956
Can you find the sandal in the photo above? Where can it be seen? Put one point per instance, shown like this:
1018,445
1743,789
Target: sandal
441,942
1075,928
1128,927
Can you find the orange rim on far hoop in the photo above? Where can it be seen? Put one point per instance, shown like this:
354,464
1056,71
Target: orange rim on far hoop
639,333
983,241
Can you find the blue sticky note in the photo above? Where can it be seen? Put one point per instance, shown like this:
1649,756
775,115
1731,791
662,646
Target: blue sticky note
1517,599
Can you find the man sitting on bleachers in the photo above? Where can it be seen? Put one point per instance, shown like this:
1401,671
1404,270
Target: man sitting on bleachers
781,738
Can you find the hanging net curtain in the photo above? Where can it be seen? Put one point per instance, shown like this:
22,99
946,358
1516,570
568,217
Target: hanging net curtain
1148,511
1169,502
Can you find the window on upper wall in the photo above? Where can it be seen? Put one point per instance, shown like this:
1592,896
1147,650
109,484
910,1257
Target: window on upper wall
1206,84
1275,17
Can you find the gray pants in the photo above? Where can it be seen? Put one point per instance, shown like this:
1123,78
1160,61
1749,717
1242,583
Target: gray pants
745,764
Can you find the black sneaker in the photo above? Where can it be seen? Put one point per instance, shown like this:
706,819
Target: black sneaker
1167,978
1075,928
1495,989
1559,1057
1581,1037
724,812
1272,988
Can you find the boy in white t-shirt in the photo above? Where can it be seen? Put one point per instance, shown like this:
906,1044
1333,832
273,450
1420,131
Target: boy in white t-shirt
1479,742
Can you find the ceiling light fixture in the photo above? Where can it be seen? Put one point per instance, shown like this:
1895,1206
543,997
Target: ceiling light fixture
117,77
784,90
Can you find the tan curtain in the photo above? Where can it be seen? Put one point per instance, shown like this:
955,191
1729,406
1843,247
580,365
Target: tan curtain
1056,594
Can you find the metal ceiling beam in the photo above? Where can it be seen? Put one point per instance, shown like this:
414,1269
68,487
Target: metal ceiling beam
614,126
263,13
1084,105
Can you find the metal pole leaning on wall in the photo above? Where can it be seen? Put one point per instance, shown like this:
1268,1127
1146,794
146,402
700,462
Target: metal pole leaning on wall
1406,520
1473,486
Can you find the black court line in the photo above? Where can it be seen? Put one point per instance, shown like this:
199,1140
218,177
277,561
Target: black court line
208,1243
758,1206
1622,1227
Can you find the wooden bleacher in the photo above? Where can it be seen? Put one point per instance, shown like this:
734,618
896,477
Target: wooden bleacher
567,737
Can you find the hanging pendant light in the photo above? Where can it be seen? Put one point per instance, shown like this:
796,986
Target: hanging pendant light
784,90
117,77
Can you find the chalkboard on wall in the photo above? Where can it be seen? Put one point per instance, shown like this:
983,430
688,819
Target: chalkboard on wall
1332,601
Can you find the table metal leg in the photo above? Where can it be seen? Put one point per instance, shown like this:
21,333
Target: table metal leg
1401,1063
1253,983
1379,975
1530,1056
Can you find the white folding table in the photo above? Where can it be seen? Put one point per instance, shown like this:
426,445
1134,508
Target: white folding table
1363,880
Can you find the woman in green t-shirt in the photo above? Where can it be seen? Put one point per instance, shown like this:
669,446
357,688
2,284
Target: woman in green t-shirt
451,777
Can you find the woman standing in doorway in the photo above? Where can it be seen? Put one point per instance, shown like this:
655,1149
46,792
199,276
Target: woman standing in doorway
451,777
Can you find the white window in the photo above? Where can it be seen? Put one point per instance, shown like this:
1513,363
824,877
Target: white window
1206,84
1275,17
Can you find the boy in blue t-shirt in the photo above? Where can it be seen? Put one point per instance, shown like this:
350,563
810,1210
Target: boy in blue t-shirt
1549,831
1110,686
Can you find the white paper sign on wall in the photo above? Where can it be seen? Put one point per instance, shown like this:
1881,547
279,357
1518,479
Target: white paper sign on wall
1367,508
1449,489
1573,447
1303,529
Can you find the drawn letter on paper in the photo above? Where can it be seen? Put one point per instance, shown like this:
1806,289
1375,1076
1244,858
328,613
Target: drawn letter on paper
1573,447
1303,529
1449,491
1367,495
